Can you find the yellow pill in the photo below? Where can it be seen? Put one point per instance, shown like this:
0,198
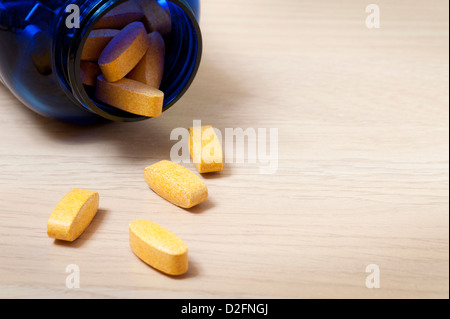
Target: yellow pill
156,17
131,96
89,72
121,16
73,214
124,51
176,184
205,148
158,247
151,68
96,43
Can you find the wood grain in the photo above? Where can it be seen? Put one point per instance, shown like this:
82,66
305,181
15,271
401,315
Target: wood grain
363,119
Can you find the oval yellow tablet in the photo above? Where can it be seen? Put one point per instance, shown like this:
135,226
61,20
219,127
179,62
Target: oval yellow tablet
96,43
176,184
150,69
73,214
124,51
156,17
206,149
158,247
131,96
89,72
121,16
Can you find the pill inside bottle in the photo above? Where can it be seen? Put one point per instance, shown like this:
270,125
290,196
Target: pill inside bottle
137,42
54,55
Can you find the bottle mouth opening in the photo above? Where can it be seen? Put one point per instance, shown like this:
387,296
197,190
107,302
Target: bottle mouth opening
182,60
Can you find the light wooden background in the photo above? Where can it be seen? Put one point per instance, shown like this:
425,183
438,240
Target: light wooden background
363,172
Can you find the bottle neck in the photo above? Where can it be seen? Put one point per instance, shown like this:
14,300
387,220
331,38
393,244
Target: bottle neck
183,54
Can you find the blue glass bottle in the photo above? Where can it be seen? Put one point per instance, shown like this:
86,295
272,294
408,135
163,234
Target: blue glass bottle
40,56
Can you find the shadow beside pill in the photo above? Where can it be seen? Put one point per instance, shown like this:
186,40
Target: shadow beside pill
201,208
192,272
216,175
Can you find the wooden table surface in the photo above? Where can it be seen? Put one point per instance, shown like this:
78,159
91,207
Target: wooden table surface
363,165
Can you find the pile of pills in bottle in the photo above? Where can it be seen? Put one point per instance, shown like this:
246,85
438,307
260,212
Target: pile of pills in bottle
122,61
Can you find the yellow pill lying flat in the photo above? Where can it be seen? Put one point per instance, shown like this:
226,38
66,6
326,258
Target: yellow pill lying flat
131,96
176,184
205,148
158,247
73,214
